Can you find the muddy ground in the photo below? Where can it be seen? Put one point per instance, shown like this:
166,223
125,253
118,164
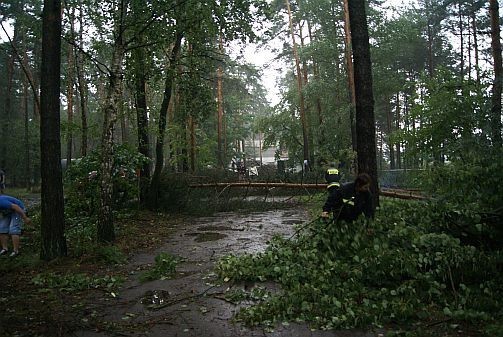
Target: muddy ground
192,303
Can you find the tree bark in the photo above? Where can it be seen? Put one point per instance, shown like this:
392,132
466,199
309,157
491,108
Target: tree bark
302,111
159,147
220,110
498,73
82,88
142,119
351,75
365,121
475,43
192,143
26,140
69,95
52,206
113,96
389,124
398,161
461,42
393,193
430,50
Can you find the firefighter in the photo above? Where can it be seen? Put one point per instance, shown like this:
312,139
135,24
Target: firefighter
350,200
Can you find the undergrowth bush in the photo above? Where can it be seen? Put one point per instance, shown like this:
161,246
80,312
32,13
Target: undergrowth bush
468,196
396,269
82,181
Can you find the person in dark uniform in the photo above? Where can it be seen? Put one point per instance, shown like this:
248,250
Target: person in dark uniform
350,200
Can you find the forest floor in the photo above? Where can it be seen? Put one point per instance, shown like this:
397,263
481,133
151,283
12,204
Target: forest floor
191,303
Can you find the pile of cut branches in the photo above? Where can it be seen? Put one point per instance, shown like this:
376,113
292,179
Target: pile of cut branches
400,268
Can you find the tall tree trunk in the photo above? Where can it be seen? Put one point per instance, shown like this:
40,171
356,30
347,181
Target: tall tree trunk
475,43
319,109
351,74
220,110
69,98
26,139
6,118
159,147
106,231
365,121
397,127
173,103
192,145
123,115
430,50
303,118
498,73
82,87
307,107
113,97
142,119
389,124
461,42
52,206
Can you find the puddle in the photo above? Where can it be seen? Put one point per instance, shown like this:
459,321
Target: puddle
210,236
155,298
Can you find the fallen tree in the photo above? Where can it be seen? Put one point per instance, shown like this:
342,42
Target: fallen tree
392,193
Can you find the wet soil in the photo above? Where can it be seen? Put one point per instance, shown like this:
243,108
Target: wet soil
192,303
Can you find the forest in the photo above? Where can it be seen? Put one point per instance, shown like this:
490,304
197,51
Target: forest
126,122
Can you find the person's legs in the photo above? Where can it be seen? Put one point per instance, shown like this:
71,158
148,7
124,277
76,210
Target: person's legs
15,242
4,232
15,231
4,240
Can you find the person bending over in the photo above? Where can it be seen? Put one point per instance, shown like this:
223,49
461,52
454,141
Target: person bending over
12,210
350,200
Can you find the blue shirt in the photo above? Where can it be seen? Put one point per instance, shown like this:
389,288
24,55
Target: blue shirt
6,202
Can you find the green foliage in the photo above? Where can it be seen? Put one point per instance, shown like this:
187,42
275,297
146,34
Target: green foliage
165,267
452,118
109,255
469,196
473,181
396,269
81,233
82,181
77,282
240,295
174,189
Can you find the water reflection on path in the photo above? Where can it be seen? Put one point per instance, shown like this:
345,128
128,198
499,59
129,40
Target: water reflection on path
192,304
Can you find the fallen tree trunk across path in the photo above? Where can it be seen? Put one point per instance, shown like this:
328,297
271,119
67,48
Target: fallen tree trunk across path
392,193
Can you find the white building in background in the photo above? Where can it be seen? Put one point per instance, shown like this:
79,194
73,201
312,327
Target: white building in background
267,156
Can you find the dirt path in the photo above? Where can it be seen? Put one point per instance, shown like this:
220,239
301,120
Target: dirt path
191,304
